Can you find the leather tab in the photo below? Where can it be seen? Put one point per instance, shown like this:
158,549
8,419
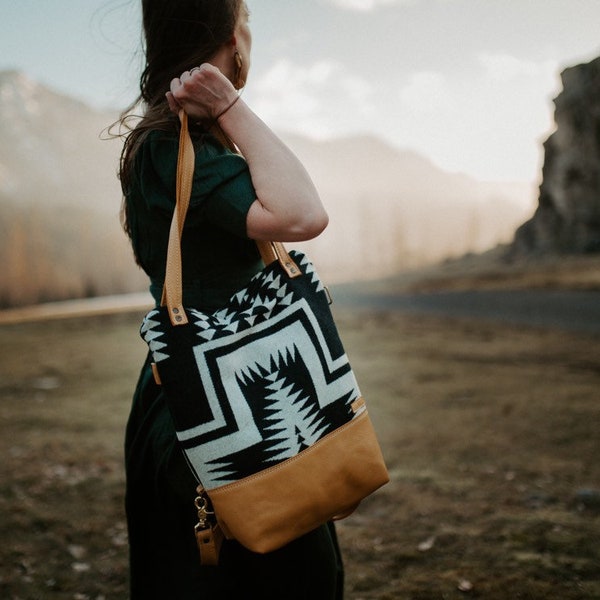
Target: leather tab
272,251
286,261
209,542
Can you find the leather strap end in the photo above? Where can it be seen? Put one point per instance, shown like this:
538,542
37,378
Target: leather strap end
177,315
278,252
209,543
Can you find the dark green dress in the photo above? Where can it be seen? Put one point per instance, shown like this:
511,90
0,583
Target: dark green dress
218,258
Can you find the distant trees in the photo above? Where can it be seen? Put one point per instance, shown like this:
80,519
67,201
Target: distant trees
56,253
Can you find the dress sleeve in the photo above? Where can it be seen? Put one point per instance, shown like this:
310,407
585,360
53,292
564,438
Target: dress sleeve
222,190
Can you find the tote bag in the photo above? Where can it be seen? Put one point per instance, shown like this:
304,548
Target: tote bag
265,404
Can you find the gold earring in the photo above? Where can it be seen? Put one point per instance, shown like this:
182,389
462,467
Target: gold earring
239,63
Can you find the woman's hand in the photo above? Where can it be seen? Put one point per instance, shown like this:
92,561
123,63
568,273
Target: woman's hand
204,93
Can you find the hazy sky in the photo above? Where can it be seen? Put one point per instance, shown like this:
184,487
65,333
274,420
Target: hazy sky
468,83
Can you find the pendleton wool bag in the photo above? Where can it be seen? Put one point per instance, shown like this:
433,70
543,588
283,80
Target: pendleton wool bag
265,404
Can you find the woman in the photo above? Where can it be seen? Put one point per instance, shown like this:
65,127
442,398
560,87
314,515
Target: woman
197,58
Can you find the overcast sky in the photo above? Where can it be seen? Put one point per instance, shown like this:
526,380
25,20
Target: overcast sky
468,83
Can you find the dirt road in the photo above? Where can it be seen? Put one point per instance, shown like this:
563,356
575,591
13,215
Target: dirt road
577,311
560,309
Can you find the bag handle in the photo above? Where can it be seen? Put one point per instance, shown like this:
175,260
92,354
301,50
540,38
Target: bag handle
172,296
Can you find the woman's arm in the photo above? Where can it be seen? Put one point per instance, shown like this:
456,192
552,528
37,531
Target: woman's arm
288,207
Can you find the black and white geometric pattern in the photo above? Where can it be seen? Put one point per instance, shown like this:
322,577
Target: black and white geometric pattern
258,381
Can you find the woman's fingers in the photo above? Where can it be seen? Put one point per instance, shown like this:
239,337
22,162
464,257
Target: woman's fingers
203,92
174,106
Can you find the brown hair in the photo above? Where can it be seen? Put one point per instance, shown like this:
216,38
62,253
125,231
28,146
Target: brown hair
178,35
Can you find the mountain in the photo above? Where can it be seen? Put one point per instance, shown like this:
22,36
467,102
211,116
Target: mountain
390,210
59,198
51,151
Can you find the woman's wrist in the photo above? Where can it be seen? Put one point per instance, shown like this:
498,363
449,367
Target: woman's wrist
225,110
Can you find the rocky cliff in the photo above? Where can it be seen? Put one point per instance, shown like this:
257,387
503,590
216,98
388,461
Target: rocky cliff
567,219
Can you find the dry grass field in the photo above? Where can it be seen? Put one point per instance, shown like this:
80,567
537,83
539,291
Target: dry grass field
490,433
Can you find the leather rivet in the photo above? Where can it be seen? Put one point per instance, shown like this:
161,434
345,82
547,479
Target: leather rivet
176,311
179,319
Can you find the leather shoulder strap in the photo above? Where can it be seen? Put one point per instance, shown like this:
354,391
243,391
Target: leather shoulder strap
172,296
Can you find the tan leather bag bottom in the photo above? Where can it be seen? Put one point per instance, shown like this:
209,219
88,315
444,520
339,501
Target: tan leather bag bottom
268,510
